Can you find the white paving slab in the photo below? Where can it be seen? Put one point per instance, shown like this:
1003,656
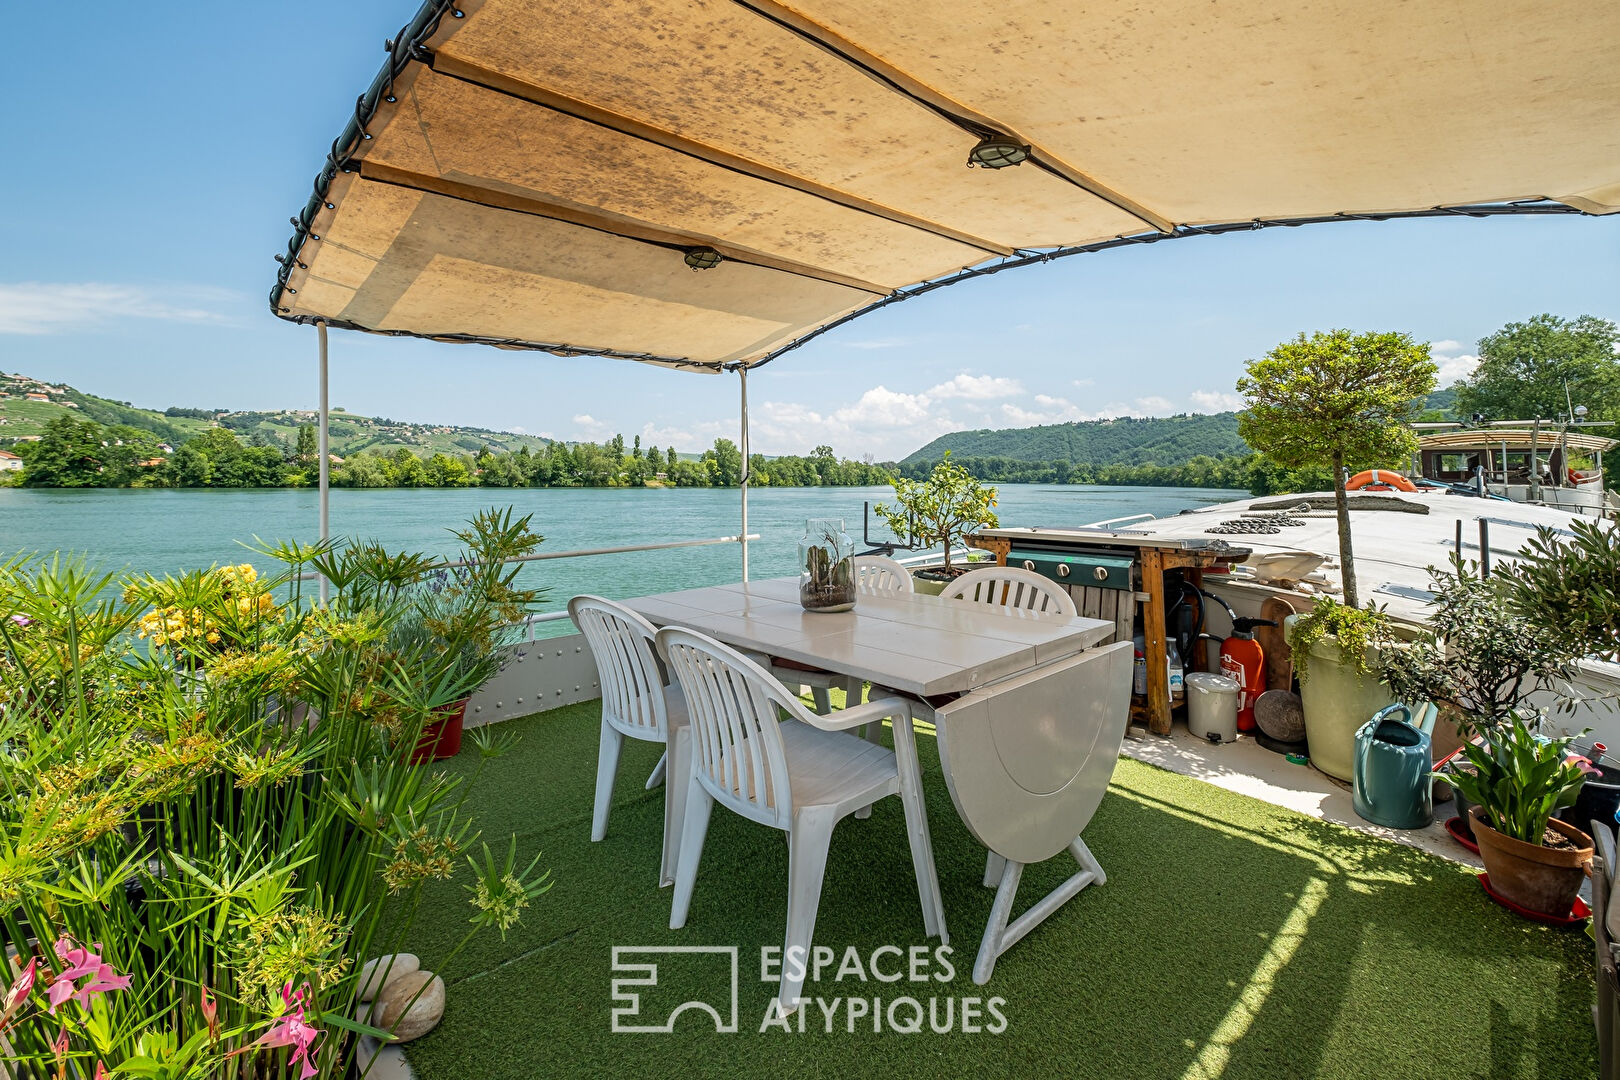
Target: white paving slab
1249,769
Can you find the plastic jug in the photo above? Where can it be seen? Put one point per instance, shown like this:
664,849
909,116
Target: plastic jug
1212,706
1391,768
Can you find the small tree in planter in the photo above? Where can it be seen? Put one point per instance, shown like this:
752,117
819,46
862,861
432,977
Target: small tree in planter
1480,662
941,509
1571,588
1477,655
1336,399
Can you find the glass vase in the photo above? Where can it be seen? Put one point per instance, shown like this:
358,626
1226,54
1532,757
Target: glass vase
826,566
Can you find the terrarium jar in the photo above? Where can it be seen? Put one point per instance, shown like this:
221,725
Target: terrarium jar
826,566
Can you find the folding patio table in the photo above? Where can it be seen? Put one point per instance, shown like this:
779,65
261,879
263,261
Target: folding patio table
1029,711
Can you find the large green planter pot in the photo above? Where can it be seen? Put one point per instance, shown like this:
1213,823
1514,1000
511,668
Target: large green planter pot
927,586
1337,700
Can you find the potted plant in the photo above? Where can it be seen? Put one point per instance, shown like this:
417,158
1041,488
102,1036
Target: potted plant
826,566
1478,661
939,511
1335,650
1517,782
1569,590
459,616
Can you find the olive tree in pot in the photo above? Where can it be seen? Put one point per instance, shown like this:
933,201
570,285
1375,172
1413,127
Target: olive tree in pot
1479,661
939,511
1566,585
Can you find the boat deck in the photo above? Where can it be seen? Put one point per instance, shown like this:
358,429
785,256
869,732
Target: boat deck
1247,768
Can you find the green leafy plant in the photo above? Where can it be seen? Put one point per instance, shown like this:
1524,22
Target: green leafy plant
1336,399
1358,631
1519,779
1570,588
209,818
940,509
1476,654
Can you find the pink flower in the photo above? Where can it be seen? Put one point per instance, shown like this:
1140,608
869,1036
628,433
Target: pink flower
293,1030
19,991
1584,764
82,962
60,1046
210,1011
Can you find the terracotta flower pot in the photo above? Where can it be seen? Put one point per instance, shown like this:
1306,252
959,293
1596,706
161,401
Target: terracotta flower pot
1544,880
441,737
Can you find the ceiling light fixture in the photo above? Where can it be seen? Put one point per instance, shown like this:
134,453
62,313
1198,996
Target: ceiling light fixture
997,152
703,258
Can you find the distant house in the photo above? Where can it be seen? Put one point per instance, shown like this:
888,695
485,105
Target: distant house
151,463
165,447
33,396
71,404
10,462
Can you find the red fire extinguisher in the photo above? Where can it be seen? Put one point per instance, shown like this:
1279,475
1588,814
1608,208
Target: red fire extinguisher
1243,661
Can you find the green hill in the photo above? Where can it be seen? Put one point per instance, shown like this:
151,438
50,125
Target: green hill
21,417
1159,440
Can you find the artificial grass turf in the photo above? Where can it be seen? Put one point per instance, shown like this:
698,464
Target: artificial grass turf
1232,938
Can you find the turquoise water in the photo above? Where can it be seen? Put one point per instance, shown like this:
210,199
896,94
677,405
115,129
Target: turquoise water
167,531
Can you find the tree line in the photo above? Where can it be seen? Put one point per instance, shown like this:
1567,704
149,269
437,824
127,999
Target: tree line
74,453
1235,472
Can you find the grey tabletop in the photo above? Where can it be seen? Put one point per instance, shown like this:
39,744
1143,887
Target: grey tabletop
919,644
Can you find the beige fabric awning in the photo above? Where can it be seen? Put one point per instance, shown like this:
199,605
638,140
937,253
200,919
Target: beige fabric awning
1513,439
531,173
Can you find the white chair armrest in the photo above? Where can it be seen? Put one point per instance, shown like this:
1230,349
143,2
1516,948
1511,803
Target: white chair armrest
882,709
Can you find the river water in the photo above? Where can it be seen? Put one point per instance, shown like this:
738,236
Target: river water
162,531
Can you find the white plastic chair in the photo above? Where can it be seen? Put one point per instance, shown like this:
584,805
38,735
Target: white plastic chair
801,777
1011,587
635,702
879,575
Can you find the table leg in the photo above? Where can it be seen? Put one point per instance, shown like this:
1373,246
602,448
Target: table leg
1000,934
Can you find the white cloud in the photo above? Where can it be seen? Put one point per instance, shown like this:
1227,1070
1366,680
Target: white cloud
1048,410
589,428
1453,368
40,308
1155,406
690,438
1214,401
977,388
1453,363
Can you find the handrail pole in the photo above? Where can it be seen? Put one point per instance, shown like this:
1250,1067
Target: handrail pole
582,552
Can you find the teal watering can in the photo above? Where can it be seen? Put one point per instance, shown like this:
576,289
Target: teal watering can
1392,765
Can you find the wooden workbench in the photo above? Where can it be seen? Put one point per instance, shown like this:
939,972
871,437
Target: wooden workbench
1151,565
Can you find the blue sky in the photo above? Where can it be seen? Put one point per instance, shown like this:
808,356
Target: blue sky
154,153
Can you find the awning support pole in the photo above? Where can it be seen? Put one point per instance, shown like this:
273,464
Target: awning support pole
325,453
742,378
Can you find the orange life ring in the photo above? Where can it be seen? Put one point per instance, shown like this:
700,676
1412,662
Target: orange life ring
1381,478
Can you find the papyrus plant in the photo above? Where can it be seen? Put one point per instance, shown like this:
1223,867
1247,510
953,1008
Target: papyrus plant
208,820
